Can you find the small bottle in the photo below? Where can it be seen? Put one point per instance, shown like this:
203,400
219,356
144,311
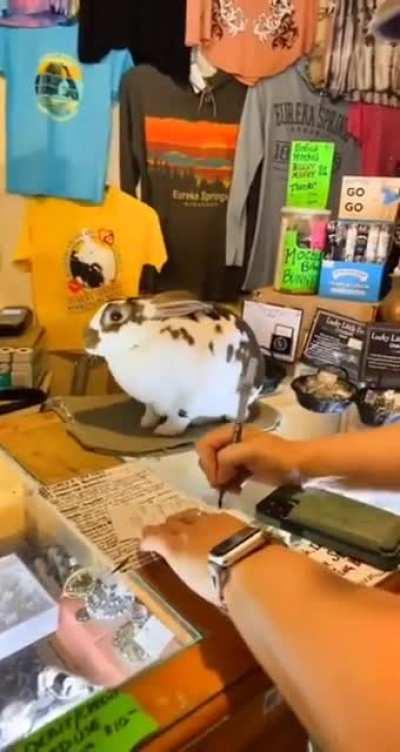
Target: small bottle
361,243
350,242
372,245
383,245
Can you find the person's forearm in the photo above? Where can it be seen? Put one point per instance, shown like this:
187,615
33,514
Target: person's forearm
332,648
368,459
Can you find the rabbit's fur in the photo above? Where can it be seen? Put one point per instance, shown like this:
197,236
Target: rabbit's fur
183,359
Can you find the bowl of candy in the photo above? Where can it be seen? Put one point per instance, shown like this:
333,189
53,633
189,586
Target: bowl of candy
378,407
326,391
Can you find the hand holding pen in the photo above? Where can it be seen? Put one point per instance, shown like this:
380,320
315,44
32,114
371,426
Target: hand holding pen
246,385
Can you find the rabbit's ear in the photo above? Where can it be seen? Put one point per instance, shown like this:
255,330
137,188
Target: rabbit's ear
181,308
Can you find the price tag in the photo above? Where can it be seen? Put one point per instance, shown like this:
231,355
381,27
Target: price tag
110,721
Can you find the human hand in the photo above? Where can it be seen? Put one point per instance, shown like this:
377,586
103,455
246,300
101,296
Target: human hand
185,540
260,455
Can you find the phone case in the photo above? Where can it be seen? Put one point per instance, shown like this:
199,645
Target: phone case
350,527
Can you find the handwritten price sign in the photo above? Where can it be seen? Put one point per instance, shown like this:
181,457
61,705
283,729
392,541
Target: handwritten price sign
110,721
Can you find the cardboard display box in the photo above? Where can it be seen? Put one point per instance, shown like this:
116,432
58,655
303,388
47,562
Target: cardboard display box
352,280
309,304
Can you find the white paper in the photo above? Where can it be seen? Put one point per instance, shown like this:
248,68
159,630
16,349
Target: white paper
275,326
351,569
154,637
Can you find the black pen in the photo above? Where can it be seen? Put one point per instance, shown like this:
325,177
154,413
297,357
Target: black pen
246,385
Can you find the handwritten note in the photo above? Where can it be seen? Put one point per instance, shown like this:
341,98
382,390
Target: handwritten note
310,171
111,721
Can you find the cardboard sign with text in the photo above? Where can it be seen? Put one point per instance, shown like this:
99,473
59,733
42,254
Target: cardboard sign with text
310,172
380,365
373,199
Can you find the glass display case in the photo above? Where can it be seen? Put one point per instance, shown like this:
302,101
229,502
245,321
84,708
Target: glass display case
70,625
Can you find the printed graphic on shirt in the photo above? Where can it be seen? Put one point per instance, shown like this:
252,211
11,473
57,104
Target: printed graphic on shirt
275,26
92,270
59,86
229,16
195,160
306,122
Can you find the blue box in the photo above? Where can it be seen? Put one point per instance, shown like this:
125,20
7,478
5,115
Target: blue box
350,280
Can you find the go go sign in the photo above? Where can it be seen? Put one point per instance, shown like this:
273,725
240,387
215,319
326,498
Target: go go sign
369,199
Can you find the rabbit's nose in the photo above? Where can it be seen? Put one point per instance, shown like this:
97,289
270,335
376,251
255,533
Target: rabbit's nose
92,339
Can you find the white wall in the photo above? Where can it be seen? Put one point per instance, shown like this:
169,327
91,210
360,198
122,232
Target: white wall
15,285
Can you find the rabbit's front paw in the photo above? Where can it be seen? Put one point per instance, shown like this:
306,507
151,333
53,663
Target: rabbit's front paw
149,419
173,426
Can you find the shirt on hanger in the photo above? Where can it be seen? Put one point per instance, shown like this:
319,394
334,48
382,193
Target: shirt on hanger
278,111
180,146
251,39
153,31
81,256
58,113
33,13
360,67
377,130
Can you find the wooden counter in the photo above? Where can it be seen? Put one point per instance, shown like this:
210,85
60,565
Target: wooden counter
211,697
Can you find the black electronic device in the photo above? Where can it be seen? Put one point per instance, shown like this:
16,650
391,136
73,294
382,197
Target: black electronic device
14,320
350,527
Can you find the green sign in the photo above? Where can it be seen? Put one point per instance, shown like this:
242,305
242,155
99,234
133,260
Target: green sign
110,722
310,172
301,267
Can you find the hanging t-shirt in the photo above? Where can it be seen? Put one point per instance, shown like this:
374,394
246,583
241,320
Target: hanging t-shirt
33,13
377,130
153,31
58,113
81,256
278,111
251,39
180,146
360,67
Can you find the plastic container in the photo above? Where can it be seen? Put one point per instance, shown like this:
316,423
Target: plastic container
302,242
378,407
308,391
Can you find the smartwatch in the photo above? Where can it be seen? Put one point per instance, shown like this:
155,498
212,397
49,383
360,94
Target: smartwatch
229,552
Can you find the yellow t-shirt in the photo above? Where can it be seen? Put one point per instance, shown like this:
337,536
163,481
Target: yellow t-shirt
82,255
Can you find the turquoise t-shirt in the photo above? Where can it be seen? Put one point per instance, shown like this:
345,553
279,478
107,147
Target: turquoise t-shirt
58,113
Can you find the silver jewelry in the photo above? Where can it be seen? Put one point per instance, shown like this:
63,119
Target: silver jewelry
125,644
80,583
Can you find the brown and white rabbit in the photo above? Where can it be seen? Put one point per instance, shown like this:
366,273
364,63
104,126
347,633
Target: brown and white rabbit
183,359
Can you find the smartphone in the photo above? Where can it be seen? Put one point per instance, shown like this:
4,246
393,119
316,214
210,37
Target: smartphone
14,320
345,525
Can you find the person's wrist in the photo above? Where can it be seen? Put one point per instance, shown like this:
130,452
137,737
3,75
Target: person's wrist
248,571
290,460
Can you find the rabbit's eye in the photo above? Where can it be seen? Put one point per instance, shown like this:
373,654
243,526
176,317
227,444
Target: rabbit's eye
116,316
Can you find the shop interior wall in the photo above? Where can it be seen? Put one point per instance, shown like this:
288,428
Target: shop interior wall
15,285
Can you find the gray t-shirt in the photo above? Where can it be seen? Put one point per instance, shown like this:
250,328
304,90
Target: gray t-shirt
277,111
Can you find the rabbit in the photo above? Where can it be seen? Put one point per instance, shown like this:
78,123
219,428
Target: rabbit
182,358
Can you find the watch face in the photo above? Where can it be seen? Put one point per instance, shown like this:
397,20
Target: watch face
234,541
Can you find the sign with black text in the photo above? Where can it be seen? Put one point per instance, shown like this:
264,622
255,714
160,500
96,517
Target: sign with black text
380,366
335,340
